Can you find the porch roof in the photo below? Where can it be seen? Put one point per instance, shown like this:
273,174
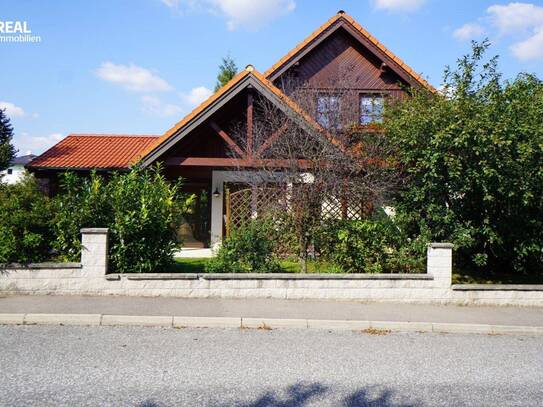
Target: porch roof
248,78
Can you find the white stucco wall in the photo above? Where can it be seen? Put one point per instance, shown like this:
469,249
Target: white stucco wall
18,172
89,278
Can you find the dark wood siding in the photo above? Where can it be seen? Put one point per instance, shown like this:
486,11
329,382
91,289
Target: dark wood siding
341,61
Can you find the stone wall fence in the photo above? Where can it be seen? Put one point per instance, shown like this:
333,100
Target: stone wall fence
90,277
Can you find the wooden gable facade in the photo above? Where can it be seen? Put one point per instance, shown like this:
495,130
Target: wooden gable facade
339,54
203,149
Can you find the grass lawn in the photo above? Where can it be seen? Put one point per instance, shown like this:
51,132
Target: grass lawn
471,277
193,265
189,265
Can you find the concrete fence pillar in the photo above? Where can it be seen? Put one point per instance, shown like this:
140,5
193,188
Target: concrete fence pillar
94,251
439,263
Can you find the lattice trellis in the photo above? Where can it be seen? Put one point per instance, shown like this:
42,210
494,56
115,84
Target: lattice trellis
250,203
333,207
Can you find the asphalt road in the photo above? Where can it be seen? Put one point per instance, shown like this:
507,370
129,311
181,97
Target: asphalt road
151,367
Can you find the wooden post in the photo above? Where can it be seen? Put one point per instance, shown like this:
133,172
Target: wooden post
344,200
250,124
228,212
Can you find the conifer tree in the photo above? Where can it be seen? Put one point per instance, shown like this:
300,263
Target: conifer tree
227,70
7,151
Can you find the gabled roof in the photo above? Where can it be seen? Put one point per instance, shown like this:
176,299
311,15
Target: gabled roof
249,77
92,151
342,19
89,151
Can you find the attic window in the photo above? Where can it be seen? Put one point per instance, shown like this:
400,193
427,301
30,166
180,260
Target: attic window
372,106
328,109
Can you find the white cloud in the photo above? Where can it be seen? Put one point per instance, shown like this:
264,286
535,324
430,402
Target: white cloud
171,3
37,144
520,22
469,31
196,96
155,107
520,18
248,14
532,48
132,77
516,17
11,109
398,5
253,14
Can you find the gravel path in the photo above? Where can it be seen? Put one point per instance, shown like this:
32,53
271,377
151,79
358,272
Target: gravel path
108,366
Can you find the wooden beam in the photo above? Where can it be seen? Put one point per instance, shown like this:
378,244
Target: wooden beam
234,162
250,124
272,139
227,138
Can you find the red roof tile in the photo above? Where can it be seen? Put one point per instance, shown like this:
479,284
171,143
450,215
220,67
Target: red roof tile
88,151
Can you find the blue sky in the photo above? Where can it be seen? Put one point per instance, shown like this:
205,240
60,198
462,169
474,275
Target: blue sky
137,66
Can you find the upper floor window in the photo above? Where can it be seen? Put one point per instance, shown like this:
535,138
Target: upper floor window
372,106
328,111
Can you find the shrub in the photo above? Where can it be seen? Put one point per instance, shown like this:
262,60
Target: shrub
375,245
83,202
141,209
474,154
25,223
248,249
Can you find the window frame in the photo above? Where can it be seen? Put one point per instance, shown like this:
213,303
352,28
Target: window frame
374,94
337,121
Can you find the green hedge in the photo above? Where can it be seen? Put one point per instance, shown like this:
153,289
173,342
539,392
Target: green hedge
249,249
25,223
374,245
142,210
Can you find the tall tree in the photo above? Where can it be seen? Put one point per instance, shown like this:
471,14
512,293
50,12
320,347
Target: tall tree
227,70
7,151
474,153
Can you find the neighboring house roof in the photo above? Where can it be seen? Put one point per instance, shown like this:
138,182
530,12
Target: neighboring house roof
248,77
22,160
334,23
90,151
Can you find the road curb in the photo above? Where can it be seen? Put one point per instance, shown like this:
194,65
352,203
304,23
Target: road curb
262,323
206,322
62,319
137,320
12,319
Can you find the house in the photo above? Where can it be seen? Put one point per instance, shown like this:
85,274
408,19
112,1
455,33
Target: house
199,147
16,170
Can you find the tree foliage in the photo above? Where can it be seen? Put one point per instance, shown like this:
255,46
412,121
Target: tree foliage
25,223
142,210
474,154
7,151
377,244
227,70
